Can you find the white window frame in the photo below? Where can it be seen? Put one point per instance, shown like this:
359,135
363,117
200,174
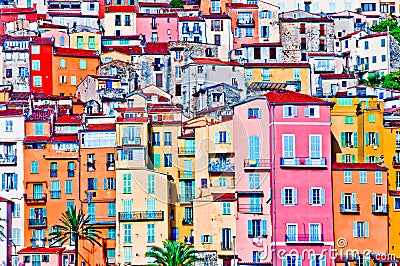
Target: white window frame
319,231
316,111
394,203
310,152
378,178
349,175
362,177
294,146
293,111
297,230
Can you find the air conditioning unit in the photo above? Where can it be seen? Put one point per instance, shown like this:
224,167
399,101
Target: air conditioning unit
375,147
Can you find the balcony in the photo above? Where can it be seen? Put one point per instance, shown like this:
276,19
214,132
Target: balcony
396,163
186,198
55,194
226,246
41,222
245,23
110,165
8,159
71,173
53,173
186,150
186,174
189,240
38,242
380,209
221,166
131,141
36,198
304,238
140,216
350,208
250,208
252,164
187,221
303,162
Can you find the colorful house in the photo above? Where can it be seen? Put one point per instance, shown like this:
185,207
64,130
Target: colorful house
360,211
120,20
300,147
85,40
41,66
158,27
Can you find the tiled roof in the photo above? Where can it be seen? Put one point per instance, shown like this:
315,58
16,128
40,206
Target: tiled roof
125,37
30,139
320,54
159,15
300,19
40,115
52,26
187,136
133,119
100,127
4,11
58,138
3,37
358,166
70,14
69,119
373,35
11,112
223,196
150,4
190,19
213,61
39,250
131,110
337,76
42,41
241,5
216,16
150,48
277,65
262,44
75,52
350,34
121,9
285,96
4,199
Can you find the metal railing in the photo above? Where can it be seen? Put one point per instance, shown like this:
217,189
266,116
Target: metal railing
137,216
257,163
187,150
131,141
35,198
349,208
250,208
380,209
40,222
304,162
304,238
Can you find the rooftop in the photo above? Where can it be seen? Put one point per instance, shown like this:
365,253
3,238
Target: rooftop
69,119
39,250
358,166
100,127
70,52
282,96
213,61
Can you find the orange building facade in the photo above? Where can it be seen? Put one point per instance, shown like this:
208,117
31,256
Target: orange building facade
244,23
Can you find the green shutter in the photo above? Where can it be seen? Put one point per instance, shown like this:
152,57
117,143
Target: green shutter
157,162
355,140
377,138
82,64
264,228
343,158
216,137
353,158
343,139
95,183
366,140
249,228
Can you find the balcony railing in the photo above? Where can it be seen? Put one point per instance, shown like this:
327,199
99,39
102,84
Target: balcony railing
55,194
187,221
380,209
38,242
71,173
186,174
8,159
245,23
138,216
189,240
53,173
35,198
131,141
257,163
41,222
221,166
187,150
226,246
294,238
350,208
111,260
110,165
250,208
187,197
303,162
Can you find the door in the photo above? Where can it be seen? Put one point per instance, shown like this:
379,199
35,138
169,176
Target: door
190,146
150,208
254,150
347,202
187,168
37,191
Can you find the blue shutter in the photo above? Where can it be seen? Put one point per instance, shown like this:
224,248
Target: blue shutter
283,196
44,210
216,137
342,198
295,196
322,196
31,213
355,229
94,183
249,113
366,229
294,110
228,137
310,196
15,180
306,112
284,261
3,181
323,260
366,139
210,239
377,138
353,198
249,228
105,183
202,239
299,260
182,190
264,228
312,260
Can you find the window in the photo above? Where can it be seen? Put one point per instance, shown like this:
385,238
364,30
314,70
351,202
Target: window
37,81
150,184
349,139
127,254
315,144
82,64
289,111
249,73
266,74
217,39
53,169
265,32
151,233
366,45
360,229
226,208
178,72
288,146
291,233
127,233
363,177
109,183
62,41
127,183
16,236
222,137
92,42
371,138
347,177
167,160
222,181
154,37
349,120
156,160
249,32
317,196
63,63
254,181
167,138
71,169
226,239
257,52
312,111
55,190
111,209
92,183
35,49
237,32
254,113
397,204
16,210
215,6
289,196
70,204
35,64
379,203
91,162
371,118
127,20
296,74
117,20
79,42
383,57
378,177
206,239
68,187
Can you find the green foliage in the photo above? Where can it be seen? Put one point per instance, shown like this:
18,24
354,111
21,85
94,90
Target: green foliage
173,254
391,81
75,226
176,3
394,27
374,79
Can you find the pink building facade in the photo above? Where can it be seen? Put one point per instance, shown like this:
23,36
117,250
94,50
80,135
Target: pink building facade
301,179
252,179
158,27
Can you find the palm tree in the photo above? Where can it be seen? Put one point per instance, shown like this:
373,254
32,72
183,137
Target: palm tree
173,254
74,227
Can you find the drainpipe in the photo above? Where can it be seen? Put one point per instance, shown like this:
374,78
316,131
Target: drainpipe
273,149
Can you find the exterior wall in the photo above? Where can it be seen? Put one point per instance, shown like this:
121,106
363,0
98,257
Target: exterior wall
239,31
302,127
205,7
148,72
45,71
271,21
125,30
189,34
225,33
107,57
65,20
5,246
166,27
16,137
57,35
330,85
73,40
243,128
377,241
265,52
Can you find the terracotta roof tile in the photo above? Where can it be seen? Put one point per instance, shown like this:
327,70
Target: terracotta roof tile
224,196
11,112
285,96
69,119
122,9
262,44
75,52
373,35
151,4
190,19
40,115
242,5
358,166
277,65
213,61
61,138
337,76
100,127
30,139
39,250
350,34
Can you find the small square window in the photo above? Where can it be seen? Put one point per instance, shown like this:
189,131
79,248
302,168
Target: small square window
254,113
